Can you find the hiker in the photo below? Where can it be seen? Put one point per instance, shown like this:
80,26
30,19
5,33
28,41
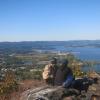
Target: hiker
49,72
64,75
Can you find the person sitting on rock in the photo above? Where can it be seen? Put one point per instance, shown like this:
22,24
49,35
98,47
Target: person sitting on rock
64,75
49,72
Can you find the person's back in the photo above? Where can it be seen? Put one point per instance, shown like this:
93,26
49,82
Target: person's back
63,73
60,76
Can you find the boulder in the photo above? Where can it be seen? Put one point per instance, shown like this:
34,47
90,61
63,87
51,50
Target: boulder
49,93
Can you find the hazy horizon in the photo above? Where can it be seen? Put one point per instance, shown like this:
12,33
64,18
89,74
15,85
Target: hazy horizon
51,40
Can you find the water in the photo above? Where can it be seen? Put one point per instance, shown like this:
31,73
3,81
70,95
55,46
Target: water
84,53
96,68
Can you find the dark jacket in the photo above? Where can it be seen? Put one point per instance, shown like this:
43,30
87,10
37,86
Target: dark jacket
61,75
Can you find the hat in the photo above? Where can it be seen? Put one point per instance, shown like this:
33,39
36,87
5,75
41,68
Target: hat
53,61
65,62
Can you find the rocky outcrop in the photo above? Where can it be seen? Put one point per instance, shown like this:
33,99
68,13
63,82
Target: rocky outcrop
48,93
60,93
94,90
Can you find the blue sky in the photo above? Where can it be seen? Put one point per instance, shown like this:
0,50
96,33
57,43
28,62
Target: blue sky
36,20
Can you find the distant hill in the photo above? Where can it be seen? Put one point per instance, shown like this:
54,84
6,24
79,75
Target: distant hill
27,46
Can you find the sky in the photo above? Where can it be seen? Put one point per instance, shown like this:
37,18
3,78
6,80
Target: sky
49,20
